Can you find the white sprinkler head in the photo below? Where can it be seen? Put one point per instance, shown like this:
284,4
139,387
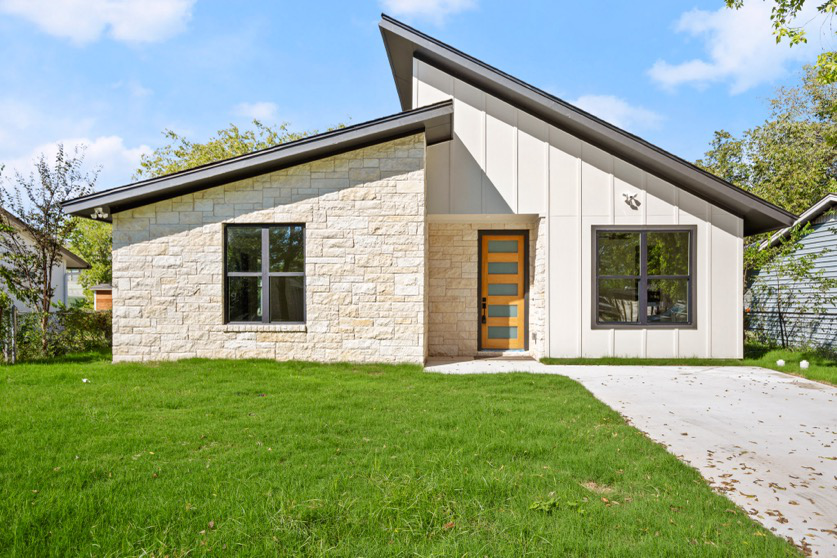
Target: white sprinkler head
804,365
85,380
780,362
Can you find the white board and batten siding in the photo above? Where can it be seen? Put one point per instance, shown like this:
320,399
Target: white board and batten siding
505,161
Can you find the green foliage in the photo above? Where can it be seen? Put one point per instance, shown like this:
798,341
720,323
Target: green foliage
259,458
553,504
93,241
789,160
783,16
70,330
33,228
181,154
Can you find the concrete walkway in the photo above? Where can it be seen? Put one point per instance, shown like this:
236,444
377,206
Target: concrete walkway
767,440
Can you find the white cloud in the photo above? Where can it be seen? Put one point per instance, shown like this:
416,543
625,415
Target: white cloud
133,87
619,112
740,47
85,21
434,10
108,153
264,111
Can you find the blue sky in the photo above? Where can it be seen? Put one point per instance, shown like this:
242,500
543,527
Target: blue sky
112,74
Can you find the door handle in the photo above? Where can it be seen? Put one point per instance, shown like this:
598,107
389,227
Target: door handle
483,309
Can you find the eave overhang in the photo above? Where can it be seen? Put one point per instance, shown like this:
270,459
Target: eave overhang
435,121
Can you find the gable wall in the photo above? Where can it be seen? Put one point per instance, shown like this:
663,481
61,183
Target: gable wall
365,252
504,161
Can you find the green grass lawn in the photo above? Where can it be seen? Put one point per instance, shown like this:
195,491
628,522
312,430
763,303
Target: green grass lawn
822,367
259,458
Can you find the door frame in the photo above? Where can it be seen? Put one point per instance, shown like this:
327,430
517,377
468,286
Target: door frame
500,232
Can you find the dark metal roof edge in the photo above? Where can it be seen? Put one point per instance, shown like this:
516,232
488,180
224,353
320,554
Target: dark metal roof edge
821,206
572,113
324,145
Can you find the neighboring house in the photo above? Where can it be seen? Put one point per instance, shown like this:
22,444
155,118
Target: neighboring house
488,216
102,296
65,274
807,327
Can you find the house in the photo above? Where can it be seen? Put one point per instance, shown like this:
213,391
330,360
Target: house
65,273
102,296
488,216
803,326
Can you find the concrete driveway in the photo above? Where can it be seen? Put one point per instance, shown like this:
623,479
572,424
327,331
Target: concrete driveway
767,440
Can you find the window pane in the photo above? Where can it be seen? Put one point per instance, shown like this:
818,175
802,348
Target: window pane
502,246
618,300
618,253
244,249
668,301
287,249
668,253
502,332
502,289
507,268
287,299
502,311
244,299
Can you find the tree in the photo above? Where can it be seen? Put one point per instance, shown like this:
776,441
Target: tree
181,154
93,241
33,228
790,159
783,16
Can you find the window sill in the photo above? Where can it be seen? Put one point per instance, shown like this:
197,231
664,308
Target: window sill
646,327
290,328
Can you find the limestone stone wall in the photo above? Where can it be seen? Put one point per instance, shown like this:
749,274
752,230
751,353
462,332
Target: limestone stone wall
364,217
452,269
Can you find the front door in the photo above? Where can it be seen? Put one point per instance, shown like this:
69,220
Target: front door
502,294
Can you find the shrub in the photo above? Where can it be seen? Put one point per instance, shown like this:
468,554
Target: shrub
70,330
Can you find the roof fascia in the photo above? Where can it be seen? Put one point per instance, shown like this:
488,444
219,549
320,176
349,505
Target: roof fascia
435,121
826,203
403,42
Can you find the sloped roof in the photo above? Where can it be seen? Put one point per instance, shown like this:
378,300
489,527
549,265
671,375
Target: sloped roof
434,120
403,43
825,204
71,260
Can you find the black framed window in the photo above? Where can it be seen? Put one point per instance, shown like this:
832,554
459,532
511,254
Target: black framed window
265,273
644,277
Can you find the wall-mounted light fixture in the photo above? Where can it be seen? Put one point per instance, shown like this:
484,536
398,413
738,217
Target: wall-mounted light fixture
631,200
99,213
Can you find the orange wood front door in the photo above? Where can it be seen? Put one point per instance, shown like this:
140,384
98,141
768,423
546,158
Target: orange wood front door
502,291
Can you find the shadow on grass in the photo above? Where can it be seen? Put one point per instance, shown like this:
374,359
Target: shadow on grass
756,352
74,358
822,357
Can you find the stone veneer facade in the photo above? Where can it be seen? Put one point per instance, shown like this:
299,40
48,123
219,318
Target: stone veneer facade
452,269
365,231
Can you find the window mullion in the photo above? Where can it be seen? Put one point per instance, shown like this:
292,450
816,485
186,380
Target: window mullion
265,274
643,278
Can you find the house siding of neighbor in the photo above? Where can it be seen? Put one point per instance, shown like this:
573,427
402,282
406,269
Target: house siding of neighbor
486,218
65,273
808,329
